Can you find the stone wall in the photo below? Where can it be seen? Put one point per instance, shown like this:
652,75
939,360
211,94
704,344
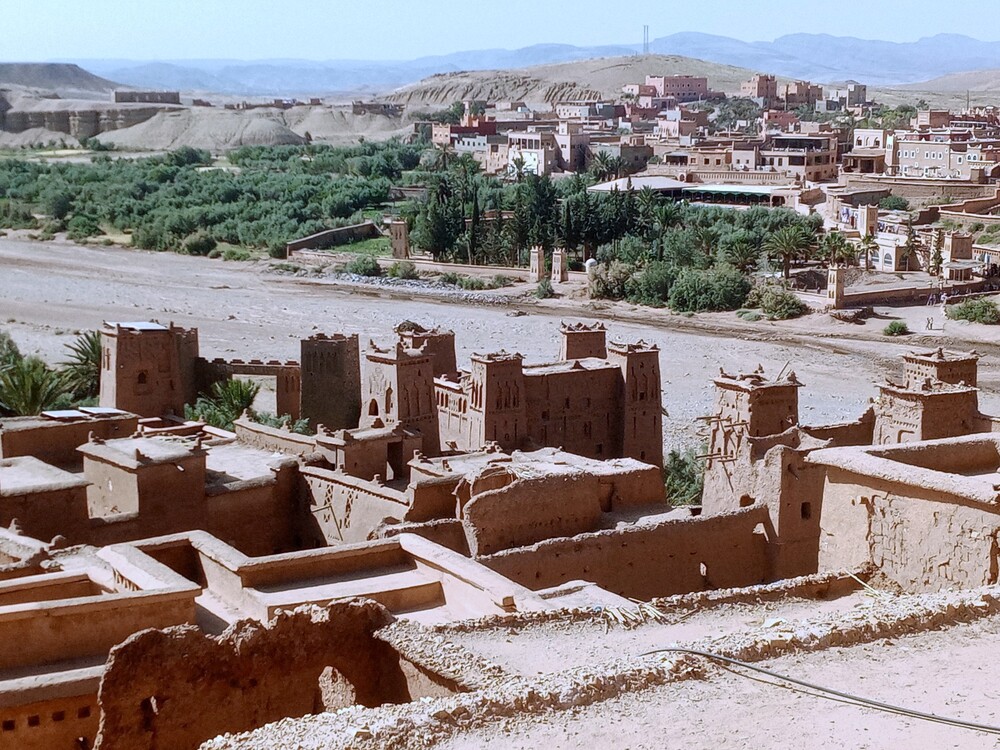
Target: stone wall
670,557
333,237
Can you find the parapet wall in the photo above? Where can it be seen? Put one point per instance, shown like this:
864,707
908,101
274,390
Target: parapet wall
333,237
643,562
273,439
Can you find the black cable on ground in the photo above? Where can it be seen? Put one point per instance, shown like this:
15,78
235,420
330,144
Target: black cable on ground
855,699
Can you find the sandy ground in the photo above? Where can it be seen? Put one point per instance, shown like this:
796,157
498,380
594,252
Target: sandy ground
48,291
730,710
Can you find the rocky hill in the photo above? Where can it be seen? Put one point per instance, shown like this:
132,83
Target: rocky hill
584,79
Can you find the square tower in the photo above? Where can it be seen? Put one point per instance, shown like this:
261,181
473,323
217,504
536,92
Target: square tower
581,341
331,381
398,388
148,368
641,403
434,341
497,400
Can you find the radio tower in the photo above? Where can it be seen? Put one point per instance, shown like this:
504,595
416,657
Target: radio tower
645,39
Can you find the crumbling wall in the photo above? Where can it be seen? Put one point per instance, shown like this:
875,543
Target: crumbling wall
671,557
176,688
922,539
530,510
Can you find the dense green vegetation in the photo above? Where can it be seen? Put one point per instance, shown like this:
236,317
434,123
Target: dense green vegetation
979,310
173,202
651,250
896,328
684,477
28,386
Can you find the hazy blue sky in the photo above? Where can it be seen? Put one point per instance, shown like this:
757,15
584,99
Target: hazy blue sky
403,29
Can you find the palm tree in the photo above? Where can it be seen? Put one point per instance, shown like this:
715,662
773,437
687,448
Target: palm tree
83,368
224,403
868,248
602,166
788,243
742,255
835,249
29,387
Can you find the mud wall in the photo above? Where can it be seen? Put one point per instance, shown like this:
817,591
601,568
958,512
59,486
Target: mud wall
176,688
923,539
344,509
529,511
273,439
56,442
671,557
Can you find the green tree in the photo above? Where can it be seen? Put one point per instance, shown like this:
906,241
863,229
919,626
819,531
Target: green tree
82,370
29,387
789,243
224,403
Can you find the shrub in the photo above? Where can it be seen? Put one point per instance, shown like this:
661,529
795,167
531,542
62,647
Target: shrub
363,265
776,303
500,281
82,226
544,289
284,422
980,310
403,270
894,203
611,280
472,283
199,243
236,253
896,328
683,477
652,285
450,278
713,289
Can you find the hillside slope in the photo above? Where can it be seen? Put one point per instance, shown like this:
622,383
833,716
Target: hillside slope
64,79
586,79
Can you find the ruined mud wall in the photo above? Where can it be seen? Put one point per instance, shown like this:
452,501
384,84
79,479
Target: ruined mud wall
858,432
671,557
176,688
920,538
529,511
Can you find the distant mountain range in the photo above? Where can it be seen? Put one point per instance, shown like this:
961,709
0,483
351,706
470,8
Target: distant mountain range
818,57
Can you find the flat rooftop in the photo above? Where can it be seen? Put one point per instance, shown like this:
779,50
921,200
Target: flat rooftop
240,462
588,363
543,462
27,475
141,451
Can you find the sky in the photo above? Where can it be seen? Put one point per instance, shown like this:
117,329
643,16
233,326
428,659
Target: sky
45,30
